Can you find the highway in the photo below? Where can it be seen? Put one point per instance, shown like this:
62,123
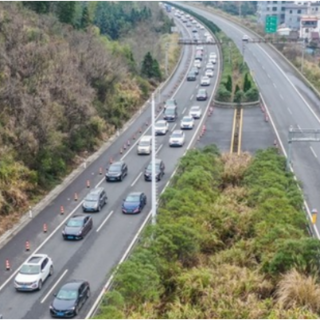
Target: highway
93,258
289,101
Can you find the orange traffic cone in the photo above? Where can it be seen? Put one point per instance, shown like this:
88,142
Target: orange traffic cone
7,265
100,170
121,151
88,183
61,210
111,160
75,197
45,229
27,246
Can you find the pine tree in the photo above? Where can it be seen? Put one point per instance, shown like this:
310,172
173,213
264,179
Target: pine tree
236,89
246,83
156,72
38,6
147,65
85,19
228,84
66,11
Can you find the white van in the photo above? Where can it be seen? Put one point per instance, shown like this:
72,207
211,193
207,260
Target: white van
144,145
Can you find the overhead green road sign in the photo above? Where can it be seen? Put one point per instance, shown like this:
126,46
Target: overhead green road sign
271,24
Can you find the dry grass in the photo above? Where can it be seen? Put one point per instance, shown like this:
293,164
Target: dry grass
296,290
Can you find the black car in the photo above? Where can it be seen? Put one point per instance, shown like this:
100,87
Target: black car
77,227
117,171
134,202
191,76
195,70
70,299
159,170
202,95
95,200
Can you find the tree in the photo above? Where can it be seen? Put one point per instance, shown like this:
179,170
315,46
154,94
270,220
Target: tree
236,89
228,84
85,19
147,64
156,72
38,6
246,83
66,11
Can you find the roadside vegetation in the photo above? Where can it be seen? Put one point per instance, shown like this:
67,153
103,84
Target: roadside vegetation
230,242
66,86
236,84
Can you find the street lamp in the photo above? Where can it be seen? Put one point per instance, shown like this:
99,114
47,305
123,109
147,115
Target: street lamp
153,165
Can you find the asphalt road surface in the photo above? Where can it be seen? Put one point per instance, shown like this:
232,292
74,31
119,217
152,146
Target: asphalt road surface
289,100
94,257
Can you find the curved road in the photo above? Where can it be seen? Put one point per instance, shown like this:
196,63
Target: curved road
92,258
289,101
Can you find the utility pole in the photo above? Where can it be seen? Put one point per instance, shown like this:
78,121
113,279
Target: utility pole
302,55
166,62
153,165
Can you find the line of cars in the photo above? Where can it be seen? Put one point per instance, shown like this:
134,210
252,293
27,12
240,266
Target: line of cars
39,267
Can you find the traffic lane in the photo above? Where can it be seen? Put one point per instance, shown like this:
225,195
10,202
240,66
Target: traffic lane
119,224
58,251
218,130
256,132
50,216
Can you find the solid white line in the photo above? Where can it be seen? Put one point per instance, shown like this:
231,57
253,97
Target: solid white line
289,110
184,110
159,148
105,220
299,127
137,178
54,286
313,152
281,96
274,85
173,127
191,97
268,75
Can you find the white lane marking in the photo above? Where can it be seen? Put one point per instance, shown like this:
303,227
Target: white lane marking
268,75
197,86
173,127
281,96
54,286
191,97
299,127
184,110
105,221
274,85
136,179
289,110
313,152
159,148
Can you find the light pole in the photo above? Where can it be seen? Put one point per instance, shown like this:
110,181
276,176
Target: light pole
302,55
166,62
153,165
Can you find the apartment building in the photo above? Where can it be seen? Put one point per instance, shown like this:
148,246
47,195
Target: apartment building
271,8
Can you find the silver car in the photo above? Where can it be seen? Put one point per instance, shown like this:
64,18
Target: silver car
187,122
161,127
177,138
209,73
205,81
195,112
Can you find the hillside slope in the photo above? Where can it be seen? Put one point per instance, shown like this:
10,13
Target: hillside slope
63,92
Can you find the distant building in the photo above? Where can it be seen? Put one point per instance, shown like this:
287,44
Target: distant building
309,28
271,8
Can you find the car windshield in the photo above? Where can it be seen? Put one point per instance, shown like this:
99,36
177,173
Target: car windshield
133,198
176,135
187,119
170,111
170,103
92,197
144,143
75,223
65,294
195,109
202,92
30,269
150,166
115,168
160,124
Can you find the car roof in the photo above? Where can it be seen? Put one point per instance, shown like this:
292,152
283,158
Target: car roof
162,121
134,193
73,284
36,259
78,217
187,116
116,164
177,132
145,138
198,107
96,190
157,161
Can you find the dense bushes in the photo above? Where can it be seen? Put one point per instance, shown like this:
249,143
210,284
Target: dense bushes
230,242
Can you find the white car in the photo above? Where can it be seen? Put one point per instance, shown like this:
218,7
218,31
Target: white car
194,22
161,127
177,138
199,48
209,73
195,112
245,37
212,55
197,63
201,27
205,81
206,34
187,122
33,273
209,40
212,60
209,66
144,145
